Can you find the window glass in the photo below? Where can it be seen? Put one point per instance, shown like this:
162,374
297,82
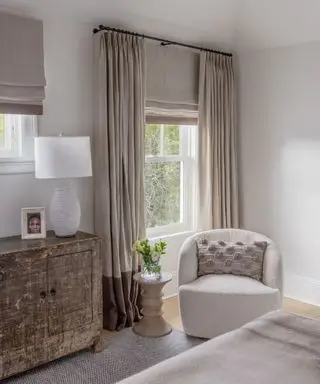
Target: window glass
17,134
2,136
162,193
171,140
152,139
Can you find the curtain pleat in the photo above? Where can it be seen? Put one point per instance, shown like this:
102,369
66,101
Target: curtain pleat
119,88
217,145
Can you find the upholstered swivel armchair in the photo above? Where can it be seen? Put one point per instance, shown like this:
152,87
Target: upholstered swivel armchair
211,305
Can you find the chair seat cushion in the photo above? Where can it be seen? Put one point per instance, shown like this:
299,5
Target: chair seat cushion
215,304
228,284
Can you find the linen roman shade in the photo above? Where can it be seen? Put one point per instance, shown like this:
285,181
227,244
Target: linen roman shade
158,115
171,84
22,79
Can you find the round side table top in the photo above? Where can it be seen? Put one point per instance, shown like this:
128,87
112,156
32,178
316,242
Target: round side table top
165,277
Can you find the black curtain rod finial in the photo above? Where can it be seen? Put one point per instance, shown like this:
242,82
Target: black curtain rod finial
163,42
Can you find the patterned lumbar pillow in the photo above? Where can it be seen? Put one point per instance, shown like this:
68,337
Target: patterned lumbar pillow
220,257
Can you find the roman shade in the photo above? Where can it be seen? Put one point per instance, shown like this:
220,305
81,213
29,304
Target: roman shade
22,79
158,115
172,78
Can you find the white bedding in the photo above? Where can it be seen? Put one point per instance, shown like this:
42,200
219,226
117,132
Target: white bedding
278,348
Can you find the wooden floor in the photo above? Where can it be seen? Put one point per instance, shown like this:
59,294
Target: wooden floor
171,310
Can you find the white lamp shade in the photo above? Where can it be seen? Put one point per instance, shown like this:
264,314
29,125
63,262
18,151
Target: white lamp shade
62,157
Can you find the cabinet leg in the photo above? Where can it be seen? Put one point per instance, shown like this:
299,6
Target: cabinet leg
97,345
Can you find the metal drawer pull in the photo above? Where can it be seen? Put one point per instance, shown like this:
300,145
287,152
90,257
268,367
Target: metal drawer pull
43,295
53,292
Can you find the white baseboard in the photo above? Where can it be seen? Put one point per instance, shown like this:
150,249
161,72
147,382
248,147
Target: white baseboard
302,288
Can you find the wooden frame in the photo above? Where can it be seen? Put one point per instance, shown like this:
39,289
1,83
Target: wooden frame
33,223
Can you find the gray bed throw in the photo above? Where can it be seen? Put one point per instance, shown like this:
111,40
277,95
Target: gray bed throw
276,348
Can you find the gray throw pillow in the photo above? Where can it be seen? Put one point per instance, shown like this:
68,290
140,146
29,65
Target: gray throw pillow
220,257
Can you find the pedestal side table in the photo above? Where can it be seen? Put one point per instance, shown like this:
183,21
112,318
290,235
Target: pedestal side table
153,324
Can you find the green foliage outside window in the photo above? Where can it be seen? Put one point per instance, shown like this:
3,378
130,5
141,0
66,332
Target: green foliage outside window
162,179
171,145
152,139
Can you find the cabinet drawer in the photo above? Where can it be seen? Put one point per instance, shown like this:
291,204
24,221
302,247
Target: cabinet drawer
67,249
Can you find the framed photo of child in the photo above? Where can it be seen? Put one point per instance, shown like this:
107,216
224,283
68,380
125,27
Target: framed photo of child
33,223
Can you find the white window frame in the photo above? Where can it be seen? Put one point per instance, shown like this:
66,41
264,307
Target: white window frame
17,155
188,175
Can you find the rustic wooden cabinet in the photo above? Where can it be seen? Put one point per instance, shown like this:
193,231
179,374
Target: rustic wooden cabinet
50,299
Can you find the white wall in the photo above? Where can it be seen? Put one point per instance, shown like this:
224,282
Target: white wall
169,261
280,158
68,109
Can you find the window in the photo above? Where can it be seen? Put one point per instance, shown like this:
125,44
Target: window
169,178
17,134
10,136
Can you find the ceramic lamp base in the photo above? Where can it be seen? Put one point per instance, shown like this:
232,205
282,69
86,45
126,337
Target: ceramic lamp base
64,211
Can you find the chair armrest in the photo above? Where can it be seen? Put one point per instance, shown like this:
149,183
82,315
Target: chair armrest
272,268
188,262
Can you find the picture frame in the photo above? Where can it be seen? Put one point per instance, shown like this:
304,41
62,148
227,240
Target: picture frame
33,223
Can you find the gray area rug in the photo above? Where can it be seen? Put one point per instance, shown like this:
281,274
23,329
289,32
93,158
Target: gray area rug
125,354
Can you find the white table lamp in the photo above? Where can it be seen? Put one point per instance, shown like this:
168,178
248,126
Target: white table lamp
63,158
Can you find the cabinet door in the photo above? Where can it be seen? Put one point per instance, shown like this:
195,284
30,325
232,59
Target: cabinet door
70,292
22,312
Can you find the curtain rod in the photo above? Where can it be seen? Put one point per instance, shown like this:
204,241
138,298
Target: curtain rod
164,42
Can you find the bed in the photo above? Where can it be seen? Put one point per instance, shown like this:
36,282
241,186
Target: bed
276,348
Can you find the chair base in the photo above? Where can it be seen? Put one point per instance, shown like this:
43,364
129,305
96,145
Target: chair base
213,305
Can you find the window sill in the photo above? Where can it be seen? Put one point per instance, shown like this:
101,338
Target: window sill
16,167
171,235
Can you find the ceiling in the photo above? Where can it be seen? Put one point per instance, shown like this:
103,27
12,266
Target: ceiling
228,24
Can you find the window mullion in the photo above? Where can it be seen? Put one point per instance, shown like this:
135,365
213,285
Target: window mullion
182,192
184,141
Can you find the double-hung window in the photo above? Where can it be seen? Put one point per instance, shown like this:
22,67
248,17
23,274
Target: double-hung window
17,134
169,178
10,136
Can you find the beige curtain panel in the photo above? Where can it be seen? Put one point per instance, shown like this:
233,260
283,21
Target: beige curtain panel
22,77
218,180
118,169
